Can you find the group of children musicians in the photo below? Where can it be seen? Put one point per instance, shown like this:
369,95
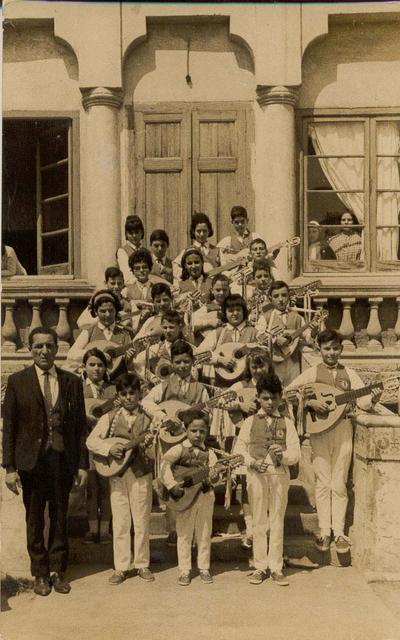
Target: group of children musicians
177,328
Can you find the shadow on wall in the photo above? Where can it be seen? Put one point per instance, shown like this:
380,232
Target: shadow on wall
171,41
358,56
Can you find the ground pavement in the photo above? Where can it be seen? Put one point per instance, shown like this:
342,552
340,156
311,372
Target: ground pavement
328,603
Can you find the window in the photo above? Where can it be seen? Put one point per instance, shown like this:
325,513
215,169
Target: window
351,194
37,193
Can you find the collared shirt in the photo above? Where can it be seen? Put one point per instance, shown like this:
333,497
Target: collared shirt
53,379
108,331
172,457
123,262
236,331
204,248
97,389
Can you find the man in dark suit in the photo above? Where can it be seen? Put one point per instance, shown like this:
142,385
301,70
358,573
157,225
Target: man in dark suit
44,452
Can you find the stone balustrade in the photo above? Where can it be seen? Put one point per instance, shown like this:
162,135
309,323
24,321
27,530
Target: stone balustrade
29,303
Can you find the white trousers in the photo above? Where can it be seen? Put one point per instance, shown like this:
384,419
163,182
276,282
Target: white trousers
331,454
131,499
268,496
197,519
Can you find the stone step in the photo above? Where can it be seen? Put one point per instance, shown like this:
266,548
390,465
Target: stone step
299,549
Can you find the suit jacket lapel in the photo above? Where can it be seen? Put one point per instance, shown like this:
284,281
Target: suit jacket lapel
34,387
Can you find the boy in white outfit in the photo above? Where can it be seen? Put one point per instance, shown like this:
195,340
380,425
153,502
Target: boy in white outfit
269,444
131,491
332,449
197,519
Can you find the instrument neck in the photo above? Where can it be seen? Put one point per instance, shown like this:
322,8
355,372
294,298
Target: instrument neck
352,395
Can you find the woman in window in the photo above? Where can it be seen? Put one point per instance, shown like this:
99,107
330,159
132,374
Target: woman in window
347,244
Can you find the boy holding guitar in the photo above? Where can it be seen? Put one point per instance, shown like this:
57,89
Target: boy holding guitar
196,519
332,448
131,489
283,321
269,444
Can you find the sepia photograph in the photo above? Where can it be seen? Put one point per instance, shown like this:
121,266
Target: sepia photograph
200,320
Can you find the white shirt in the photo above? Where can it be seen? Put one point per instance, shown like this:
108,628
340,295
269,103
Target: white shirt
96,389
290,456
53,379
77,351
123,262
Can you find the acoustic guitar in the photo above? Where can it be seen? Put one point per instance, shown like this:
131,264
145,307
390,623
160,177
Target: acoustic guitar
108,466
117,351
283,352
96,407
337,402
193,478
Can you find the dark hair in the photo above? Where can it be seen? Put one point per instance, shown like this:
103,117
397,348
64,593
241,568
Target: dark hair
233,300
172,315
159,234
277,284
200,218
353,216
158,288
191,415
101,296
329,335
220,277
134,223
112,272
97,353
238,212
269,382
180,347
259,356
127,381
189,252
141,255
263,265
45,332
257,241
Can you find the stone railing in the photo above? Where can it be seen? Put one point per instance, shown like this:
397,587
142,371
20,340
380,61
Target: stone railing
364,309
32,302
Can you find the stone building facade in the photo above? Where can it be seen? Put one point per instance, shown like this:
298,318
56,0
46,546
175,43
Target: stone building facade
116,108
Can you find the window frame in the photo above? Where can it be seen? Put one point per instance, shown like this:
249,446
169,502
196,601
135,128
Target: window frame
369,117
74,239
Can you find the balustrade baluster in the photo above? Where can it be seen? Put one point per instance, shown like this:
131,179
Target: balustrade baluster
346,328
9,330
36,321
397,325
63,328
374,329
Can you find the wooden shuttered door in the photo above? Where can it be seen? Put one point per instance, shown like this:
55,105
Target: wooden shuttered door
219,166
191,159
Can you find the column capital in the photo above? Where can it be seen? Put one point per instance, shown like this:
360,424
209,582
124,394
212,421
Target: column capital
279,94
102,96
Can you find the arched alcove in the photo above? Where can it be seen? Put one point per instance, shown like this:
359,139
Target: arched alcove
352,67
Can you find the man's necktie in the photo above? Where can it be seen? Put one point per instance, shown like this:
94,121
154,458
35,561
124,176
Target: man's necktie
47,391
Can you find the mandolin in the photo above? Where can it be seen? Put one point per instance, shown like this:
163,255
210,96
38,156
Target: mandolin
116,351
237,351
337,401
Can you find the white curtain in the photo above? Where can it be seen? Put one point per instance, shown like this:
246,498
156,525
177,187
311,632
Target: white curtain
347,138
388,177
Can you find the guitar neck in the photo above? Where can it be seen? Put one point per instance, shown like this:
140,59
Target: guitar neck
352,395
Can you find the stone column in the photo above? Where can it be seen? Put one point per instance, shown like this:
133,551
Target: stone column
102,184
276,207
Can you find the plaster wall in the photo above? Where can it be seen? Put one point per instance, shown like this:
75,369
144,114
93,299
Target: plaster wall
351,67
38,72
